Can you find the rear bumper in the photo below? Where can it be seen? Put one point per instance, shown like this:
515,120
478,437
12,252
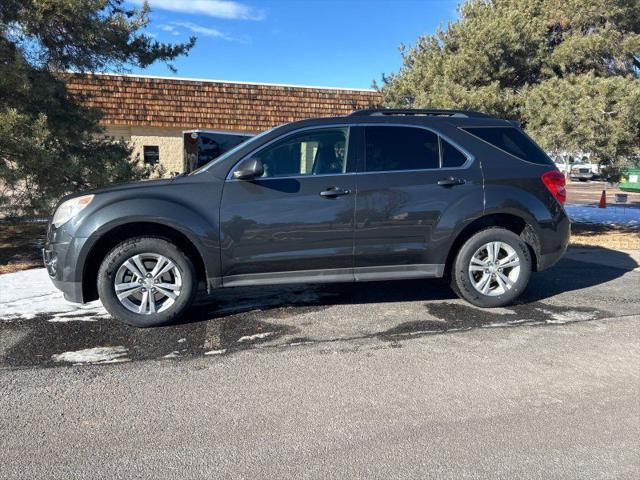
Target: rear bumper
549,259
554,242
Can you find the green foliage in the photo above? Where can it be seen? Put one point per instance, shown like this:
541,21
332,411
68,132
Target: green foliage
569,70
49,144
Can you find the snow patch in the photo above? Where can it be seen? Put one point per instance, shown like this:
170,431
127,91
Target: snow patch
73,316
174,354
93,356
512,323
568,316
216,352
612,215
257,336
26,294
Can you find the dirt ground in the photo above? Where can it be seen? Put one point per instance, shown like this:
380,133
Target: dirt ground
20,243
615,238
588,193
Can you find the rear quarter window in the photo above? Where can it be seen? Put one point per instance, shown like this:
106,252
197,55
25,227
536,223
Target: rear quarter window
513,141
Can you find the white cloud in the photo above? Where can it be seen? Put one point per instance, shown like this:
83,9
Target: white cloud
212,8
206,31
168,28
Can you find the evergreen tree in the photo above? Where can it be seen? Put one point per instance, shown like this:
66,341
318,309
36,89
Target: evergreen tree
569,70
49,144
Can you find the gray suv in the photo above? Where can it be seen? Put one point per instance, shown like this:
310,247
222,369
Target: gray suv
377,195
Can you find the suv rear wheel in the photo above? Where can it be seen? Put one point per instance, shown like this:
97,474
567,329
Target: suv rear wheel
492,268
146,281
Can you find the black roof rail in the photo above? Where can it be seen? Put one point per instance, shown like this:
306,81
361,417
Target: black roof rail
418,111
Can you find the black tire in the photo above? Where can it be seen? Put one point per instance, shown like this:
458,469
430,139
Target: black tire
143,245
460,276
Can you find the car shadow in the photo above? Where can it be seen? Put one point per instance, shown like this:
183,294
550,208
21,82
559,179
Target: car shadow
569,274
239,318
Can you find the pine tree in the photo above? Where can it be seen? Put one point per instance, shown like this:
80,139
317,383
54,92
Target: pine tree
49,144
568,70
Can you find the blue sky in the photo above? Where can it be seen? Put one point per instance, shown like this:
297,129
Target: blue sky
328,43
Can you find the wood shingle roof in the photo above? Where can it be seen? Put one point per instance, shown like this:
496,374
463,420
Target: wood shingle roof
217,105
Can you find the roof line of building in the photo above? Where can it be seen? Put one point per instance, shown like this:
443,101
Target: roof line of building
130,75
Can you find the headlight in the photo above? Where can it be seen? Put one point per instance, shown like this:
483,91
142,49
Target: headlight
69,209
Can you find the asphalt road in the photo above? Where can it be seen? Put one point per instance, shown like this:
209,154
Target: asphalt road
381,380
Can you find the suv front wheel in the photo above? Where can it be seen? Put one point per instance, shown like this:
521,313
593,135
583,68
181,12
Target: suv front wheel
146,281
492,268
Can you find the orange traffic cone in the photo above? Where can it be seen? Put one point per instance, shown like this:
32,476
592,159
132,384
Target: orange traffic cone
603,200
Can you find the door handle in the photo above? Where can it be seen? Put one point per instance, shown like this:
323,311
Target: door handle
451,181
332,192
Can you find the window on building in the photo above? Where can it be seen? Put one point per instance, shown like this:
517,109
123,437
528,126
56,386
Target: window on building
316,152
401,148
151,154
451,156
512,140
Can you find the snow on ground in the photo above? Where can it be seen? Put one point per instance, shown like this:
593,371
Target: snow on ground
28,293
613,215
257,336
93,356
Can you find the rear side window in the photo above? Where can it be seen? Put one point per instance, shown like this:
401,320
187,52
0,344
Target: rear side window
400,148
511,140
451,156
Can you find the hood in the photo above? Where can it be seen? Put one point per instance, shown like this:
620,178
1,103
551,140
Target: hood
130,186
118,187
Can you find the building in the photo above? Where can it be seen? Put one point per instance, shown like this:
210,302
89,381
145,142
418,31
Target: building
153,112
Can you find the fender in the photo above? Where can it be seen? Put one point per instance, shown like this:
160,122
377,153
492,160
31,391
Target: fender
201,230
498,199
544,216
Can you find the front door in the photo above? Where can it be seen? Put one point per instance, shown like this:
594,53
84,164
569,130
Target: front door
411,177
295,223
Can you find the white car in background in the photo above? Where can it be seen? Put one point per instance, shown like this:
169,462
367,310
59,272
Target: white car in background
584,171
577,167
563,163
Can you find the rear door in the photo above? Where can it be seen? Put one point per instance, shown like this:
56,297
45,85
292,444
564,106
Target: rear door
296,222
411,176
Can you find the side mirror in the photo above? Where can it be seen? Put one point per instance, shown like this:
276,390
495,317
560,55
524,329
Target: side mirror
248,169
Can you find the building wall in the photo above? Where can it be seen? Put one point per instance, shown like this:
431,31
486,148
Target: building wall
154,111
168,141
159,102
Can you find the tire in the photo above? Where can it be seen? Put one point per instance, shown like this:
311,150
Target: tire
173,290
499,291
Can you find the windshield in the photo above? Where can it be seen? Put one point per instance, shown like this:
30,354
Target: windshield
227,154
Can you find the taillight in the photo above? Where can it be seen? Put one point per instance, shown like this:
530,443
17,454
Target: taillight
555,182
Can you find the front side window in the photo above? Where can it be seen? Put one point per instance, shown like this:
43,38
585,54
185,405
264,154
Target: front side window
512,140
314,152
400,148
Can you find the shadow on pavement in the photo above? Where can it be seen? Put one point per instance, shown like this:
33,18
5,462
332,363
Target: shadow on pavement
245,317
587,268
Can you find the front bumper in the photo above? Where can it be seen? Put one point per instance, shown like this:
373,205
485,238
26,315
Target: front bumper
63,257
582,176
72,290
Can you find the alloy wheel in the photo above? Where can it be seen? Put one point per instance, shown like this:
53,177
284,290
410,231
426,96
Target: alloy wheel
494,268
147,283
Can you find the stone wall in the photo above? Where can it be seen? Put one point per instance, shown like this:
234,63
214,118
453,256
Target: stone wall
168,140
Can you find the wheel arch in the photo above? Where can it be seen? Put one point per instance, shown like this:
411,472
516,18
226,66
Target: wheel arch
111,237
509,221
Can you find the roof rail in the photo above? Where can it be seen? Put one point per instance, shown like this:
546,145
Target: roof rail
417,111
